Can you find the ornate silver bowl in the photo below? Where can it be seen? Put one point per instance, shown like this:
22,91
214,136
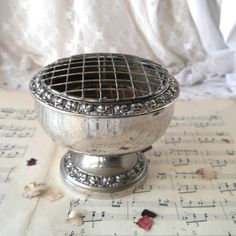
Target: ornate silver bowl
105,108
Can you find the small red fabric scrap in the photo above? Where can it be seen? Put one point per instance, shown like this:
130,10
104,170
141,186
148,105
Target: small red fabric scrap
145,223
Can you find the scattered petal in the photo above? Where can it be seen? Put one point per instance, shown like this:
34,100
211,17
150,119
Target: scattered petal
52,194
206,174
74,218
146,149
145,223
225,140
41,190
31,162
34,190
151,214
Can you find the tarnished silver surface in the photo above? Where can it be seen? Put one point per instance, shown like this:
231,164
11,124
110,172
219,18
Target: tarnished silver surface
110,108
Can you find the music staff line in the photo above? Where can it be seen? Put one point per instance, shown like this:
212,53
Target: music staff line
197,133
191,175
13,131
209,118
189,218
12,150
195,152
193,139
135,233
186,161
134,214
183,157
185,203
6,174
197,121
18,114
223,187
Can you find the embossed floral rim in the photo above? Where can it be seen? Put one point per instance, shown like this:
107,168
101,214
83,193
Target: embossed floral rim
114,109
100,181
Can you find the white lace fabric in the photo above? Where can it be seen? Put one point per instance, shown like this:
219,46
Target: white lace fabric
195,40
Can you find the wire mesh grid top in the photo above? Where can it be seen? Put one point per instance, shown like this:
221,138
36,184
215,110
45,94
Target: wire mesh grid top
105,77
83,83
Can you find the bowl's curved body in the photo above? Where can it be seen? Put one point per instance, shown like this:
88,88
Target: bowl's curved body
103,136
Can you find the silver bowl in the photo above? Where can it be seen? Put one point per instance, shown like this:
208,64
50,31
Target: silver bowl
105,108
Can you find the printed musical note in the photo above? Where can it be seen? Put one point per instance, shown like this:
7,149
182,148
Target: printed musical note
187,157
73,204
190,218
227,187
164,202
16,131
197,121
157,154
197,204
213,140
18,114
12,151
231,152
116,203
135,233
182,189
186,175
183,152
144,189
174,138
171,140
180,161
94,217
218,163
161,175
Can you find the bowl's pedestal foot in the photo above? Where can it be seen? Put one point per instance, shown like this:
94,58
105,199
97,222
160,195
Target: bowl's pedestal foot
104,176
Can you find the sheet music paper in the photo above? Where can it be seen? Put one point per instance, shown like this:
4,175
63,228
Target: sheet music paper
21,138
201,135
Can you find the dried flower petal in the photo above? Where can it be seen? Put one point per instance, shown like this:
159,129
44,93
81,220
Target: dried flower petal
149,213
34,190
41,190
52,194
146,149
74,218
145,223
31,162
206,174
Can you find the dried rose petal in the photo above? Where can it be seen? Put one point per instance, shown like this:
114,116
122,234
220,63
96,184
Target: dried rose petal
206,174
52,195
41,190
34,190
31,162
149,213
74,218
146,149
145,223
